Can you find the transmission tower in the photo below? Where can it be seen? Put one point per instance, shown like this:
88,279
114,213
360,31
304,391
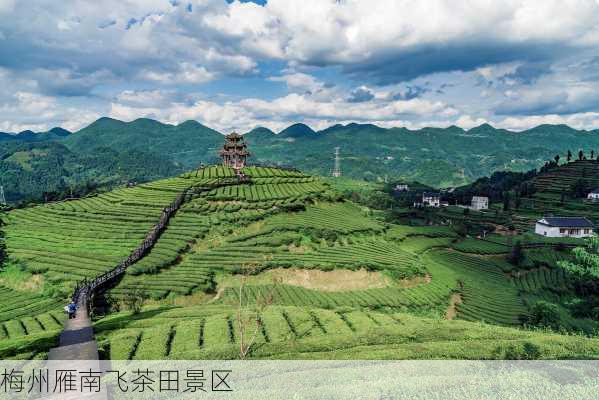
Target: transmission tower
337,169
2,198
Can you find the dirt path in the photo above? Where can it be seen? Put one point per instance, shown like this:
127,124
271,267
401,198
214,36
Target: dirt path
218,295
452,310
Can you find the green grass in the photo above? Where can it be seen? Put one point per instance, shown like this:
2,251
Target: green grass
477,246
210,332
486,291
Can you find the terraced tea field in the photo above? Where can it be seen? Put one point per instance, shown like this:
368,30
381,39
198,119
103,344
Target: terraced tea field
229,231
211,332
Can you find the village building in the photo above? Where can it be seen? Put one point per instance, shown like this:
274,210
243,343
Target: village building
234,152
577,227
480,203
593,195
430,199
402,187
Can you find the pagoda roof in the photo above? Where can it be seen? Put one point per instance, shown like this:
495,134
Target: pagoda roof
234,135
235,152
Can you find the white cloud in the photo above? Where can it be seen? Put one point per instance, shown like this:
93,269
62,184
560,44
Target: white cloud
298,81
248,113
187,73
7,6
40,113
79,59
467,122
588,120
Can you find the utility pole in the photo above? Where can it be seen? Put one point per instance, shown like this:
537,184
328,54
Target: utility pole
2,198
337,168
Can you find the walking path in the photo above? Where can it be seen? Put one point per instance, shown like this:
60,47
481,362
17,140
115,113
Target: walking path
77,339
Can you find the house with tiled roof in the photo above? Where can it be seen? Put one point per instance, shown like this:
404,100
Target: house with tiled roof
578,227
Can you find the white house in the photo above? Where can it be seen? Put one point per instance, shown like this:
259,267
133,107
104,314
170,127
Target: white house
402,187
430,199
564,227
480,203
593,195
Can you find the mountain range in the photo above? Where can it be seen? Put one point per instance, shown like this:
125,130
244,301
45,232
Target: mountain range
110,151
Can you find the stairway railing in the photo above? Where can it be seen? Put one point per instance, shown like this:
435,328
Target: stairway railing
85,289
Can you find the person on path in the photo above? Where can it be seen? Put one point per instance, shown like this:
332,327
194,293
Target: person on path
71,309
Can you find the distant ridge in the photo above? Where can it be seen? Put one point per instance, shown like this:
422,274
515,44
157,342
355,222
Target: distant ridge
31,136
298,131
438,157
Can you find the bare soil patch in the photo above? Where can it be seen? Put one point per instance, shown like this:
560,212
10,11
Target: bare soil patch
34,283
329,281
452,310
335,280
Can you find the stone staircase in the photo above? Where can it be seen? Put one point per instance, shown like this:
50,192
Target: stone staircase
76,340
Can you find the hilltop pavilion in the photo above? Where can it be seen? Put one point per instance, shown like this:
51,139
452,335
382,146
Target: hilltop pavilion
234,152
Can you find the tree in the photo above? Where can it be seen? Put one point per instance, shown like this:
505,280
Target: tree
506,201
135,299
461,229
544,313
580,155
250,310
556,158
516,256
569,155
584,271
586,261
579,189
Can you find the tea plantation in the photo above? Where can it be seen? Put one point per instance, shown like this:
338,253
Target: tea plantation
273,258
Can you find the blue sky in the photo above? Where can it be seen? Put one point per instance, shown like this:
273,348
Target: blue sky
236,65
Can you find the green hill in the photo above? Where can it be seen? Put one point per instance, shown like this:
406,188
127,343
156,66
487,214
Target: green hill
48,169
187,144
29,136
561,191
325,277
437,157
298,131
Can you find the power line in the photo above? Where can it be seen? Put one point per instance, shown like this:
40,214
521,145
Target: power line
337,168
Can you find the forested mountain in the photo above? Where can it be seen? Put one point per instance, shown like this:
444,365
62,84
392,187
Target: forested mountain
435,156
189,143
50,170
438,157
30,136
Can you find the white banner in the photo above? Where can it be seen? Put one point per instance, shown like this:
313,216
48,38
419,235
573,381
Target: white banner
286,380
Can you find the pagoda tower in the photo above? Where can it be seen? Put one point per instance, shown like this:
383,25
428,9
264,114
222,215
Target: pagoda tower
234,152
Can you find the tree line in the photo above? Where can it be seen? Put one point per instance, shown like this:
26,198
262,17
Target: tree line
570,156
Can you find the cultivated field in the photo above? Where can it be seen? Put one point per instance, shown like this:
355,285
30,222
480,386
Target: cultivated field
436,296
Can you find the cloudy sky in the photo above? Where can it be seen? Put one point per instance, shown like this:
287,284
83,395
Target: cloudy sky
238,65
